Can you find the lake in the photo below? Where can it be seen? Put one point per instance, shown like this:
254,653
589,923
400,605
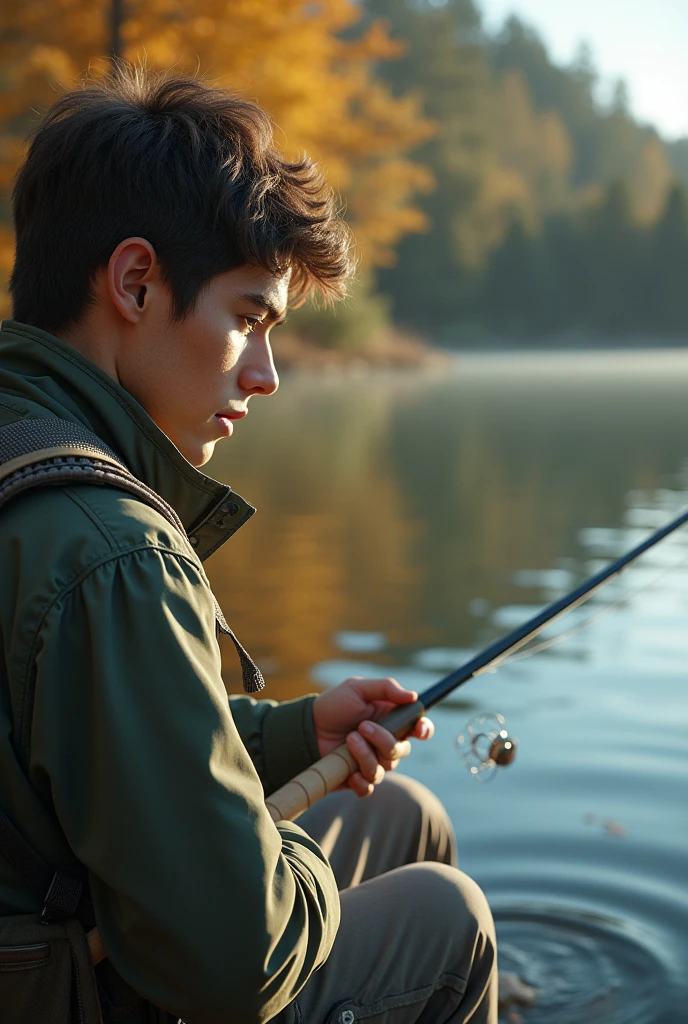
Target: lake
408,518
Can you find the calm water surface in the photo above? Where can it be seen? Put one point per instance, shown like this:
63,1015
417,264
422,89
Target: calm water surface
405,520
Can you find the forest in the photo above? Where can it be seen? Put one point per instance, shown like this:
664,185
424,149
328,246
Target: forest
553,218
495,200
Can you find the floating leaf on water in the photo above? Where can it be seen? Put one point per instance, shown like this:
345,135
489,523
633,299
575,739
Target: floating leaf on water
615,828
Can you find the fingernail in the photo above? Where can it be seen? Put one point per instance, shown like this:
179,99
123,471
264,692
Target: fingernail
367,727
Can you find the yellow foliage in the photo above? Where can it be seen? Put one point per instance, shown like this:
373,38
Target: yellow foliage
533,144
286,54
651,181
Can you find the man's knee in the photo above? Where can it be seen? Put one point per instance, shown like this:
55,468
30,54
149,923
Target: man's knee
410,801
405,792
452,901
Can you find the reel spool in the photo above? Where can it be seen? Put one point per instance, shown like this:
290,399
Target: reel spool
485,746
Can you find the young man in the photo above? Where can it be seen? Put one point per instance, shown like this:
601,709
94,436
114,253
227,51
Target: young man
160,238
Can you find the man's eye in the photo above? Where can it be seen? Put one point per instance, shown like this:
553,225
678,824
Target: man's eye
250,322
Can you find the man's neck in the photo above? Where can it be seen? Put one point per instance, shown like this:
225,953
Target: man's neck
96,341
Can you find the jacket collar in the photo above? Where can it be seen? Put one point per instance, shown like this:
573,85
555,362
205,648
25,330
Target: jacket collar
40,375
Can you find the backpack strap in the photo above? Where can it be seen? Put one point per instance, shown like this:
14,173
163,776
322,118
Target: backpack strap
44,452
62,892
54,452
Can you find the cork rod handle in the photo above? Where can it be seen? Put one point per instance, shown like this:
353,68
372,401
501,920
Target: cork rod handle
311,785
331,771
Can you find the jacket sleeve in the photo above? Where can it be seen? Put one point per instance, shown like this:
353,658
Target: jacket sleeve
206,908
280,737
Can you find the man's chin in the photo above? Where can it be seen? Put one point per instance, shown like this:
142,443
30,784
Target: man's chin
202,454
198,453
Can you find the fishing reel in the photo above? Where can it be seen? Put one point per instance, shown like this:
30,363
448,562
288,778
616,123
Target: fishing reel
486,746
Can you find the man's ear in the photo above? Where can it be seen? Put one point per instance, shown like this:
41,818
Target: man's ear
132,274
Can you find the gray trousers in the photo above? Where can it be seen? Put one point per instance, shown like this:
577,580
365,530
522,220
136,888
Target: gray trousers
416,940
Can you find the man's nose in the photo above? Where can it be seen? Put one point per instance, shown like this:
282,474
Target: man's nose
257,375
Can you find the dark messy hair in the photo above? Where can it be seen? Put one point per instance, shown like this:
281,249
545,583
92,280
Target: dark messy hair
187,166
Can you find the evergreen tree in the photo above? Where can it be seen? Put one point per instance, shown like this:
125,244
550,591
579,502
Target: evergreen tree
512,288
446,62
611,257
678,154
666,269
527,294
568,91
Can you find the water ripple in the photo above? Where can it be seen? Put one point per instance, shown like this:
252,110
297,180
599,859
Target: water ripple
584,968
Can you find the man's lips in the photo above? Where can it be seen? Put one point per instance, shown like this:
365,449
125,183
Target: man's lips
225,419
231,414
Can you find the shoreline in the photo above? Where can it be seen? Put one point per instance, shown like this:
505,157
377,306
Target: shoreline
401,350
394,350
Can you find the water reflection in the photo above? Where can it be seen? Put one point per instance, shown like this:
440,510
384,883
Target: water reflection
392,502
406,520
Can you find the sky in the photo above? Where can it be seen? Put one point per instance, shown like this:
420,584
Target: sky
644,43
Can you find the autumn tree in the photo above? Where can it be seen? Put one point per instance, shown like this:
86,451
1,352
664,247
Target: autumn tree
533,143
294,58
542,219
446,63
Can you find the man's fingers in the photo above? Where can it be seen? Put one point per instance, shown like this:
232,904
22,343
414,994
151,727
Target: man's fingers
424,729
384,689
360,786
377,751
368,763
385,744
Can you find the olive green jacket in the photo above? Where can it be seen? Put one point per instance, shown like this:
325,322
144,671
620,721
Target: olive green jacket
119,748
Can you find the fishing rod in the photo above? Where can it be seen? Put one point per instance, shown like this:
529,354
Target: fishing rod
331,771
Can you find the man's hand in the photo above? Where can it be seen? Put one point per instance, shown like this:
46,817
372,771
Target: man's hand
349,713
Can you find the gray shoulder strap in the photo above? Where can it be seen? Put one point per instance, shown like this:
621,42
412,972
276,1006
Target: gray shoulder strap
54,452
24,438
45,452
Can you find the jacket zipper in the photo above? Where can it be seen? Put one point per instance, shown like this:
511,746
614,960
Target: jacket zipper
77,984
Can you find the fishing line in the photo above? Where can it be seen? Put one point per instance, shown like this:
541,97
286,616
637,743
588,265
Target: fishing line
485,744
515,656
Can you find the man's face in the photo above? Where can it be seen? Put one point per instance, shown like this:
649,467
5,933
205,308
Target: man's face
194,377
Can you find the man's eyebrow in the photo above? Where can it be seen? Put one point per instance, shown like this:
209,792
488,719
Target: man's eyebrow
275,315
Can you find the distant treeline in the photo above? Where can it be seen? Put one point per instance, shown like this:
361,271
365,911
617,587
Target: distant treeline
491,195
597,274
551,215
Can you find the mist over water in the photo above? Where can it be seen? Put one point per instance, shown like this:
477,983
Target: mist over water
405,520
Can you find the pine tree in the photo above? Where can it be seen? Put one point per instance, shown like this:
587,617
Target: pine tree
445,62
611,255
666,269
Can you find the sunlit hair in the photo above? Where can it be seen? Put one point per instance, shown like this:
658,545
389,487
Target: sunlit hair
189,167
